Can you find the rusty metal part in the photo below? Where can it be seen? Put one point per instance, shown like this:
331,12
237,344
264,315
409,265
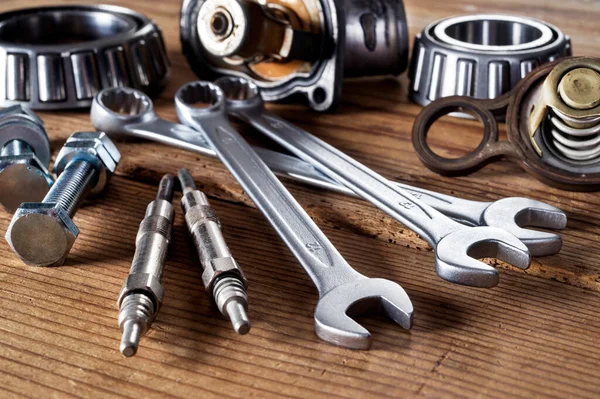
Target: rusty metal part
295,46
539,157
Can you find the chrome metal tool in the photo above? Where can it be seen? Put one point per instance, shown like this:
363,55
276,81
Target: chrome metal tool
142,293
456,246
128,112
221,274
343,291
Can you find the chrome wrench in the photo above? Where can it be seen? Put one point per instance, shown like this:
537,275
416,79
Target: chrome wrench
454,243
129,112
342,290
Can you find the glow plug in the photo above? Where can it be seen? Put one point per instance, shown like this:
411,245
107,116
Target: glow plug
221,275
142,292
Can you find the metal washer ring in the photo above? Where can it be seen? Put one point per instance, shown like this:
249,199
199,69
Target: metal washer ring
481,56
61,57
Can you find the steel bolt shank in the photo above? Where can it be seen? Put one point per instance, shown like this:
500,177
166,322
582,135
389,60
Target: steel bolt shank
72,186
42,234
222,276
142,292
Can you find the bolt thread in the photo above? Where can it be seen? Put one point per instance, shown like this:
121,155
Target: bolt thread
72,186
135,316
137,306
15,147
232,301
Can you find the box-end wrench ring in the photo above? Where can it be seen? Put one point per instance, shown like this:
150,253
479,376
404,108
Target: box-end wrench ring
456,246
342,290
129,112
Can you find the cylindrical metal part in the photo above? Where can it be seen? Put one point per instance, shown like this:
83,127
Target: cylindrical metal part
15,147
142,292
51,78
72,186
221,275
481,56
59,57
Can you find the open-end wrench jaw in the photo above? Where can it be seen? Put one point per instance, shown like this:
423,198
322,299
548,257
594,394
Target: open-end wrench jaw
334,312
512,214
457,255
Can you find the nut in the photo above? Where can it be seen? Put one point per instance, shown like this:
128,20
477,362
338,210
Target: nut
95,148
143,282
52,228
219,267
23,178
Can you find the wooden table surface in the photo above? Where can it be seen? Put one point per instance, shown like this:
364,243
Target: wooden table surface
535,335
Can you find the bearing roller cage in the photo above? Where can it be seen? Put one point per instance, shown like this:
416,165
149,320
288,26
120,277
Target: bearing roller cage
448,60
386,42
96,47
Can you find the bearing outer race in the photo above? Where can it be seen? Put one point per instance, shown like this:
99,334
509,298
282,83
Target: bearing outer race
441,70
134,57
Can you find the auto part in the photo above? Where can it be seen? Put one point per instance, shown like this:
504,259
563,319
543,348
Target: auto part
551,119
59,57
295,47
480,56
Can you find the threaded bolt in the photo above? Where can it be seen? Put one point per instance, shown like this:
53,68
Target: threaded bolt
72,186
43,233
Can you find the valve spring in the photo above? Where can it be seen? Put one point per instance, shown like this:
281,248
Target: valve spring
575,139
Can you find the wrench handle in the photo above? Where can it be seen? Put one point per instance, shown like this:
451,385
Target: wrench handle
413,213
469,212
321,260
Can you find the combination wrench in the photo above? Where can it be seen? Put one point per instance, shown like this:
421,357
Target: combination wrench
341,288
128,112
453,243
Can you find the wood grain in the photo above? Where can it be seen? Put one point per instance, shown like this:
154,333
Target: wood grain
535,335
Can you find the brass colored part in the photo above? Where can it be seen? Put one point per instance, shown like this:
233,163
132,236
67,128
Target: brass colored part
267,35
551,98
302,15
580,88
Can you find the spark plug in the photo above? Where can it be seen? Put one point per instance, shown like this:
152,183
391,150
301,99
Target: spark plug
142,292
221,275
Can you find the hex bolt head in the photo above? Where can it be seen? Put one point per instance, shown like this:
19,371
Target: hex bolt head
92,147
41,234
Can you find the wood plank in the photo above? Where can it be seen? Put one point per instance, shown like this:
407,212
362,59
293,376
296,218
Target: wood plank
535,335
